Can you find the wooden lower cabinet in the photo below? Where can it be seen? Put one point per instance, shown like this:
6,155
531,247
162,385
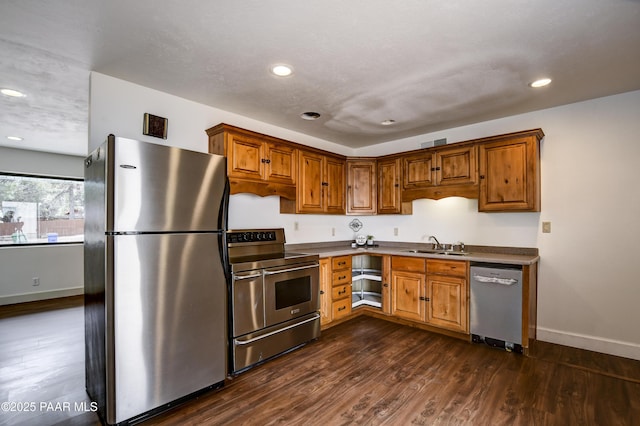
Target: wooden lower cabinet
447,302
408,288
436,294
325,291
340,287
408,295
447,294
429,291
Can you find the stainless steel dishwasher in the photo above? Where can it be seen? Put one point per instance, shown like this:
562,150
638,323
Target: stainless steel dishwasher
496,305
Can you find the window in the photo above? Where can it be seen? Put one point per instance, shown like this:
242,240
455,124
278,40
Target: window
40,210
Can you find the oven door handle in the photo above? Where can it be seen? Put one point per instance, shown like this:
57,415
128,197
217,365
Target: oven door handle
246,277
280,330
281,271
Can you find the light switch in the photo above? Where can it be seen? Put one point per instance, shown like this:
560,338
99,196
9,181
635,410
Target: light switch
546,227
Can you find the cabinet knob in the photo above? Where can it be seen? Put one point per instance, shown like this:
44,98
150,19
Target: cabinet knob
321,291
481,176
325,183
385,285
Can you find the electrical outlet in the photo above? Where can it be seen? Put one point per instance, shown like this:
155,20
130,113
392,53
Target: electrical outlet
36,281
296,226
546,227
333,232
395,232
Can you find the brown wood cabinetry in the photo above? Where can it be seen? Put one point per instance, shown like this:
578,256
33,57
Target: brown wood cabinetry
341,287
510,173
502,171
386,284
408,288
440,173
433,292
325,291
447,291
321,185
256,163
361,186
390,187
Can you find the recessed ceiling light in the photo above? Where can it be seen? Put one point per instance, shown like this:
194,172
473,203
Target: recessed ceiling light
13,93
540,83
388,122
281,70
14,138
310,115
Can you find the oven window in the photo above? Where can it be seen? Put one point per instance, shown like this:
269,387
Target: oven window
293,292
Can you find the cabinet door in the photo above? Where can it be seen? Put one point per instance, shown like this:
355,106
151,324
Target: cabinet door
408,301
245,157
386,284
509,175
325,291
417,170
334,185
280,165
389,201
456,166
361,187
309,193
447,302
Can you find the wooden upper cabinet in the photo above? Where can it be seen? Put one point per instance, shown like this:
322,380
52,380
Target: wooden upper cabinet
456,166
335,182
445,172
245,157
256,163
361,187
510,173
280,163
320,187
419,170
390,187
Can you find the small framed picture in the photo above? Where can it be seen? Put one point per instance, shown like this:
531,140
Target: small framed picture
155,126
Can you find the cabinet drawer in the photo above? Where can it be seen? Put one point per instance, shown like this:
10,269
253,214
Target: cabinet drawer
447,267
341,262
341,277
412,264
340,292
341,308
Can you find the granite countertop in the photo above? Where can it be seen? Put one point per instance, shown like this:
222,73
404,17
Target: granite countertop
489,254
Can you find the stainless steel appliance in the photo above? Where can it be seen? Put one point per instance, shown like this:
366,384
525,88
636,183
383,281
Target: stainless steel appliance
273,296
496,305
155,286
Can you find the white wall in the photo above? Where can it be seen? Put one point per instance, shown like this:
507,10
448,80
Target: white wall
118,107
59,267
588,284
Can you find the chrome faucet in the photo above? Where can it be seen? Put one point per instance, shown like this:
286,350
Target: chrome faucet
438,245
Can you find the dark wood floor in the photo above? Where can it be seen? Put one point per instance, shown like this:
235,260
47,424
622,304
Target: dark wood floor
366,371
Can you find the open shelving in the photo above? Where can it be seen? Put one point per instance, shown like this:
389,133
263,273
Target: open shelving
366,281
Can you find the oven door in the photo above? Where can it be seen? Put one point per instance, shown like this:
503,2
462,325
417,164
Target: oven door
291,291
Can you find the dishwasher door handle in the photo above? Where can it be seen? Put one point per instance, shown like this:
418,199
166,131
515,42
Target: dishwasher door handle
494,280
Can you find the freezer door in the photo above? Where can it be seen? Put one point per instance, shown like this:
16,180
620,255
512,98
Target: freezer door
158,188
169,332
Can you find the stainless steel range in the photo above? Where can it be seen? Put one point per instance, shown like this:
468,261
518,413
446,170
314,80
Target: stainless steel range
273,297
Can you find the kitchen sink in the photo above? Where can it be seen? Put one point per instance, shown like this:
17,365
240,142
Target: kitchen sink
446,252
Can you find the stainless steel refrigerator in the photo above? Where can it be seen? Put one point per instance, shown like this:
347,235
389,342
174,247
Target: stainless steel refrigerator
155,285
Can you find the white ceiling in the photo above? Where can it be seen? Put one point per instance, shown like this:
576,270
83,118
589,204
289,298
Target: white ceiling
429,65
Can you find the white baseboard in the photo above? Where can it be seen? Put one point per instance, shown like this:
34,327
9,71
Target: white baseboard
41,295
591,343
